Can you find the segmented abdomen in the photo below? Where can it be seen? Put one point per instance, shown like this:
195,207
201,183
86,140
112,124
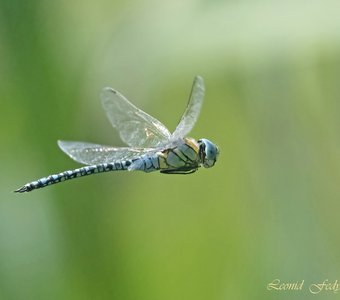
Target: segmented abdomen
84,171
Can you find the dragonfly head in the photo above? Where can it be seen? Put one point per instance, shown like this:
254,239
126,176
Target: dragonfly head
208,152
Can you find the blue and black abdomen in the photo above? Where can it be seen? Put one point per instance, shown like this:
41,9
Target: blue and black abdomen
84,171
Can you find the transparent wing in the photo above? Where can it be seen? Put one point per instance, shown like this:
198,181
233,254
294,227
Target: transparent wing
136,128
192,111
92,154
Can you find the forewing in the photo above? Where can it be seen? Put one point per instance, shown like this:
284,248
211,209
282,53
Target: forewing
136,128
192,111
92,154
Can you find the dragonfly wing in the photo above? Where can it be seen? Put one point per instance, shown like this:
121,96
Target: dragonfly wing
136,128
192,111
92,154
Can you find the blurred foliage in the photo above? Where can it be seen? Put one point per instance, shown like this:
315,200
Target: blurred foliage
268,209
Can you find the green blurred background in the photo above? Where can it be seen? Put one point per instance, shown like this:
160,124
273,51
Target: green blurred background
268,209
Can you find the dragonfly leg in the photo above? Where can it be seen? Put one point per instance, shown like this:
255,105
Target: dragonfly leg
182,171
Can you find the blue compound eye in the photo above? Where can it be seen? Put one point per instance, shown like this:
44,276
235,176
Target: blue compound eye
208,153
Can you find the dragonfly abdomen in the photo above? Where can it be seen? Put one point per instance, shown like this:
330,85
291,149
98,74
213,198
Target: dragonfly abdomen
80,172
146,163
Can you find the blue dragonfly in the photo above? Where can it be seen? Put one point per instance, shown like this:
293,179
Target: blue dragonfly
151,146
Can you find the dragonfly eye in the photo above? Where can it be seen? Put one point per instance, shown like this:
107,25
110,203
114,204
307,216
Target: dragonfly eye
208,153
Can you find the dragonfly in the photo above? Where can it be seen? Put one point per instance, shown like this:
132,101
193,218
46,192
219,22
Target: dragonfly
151,146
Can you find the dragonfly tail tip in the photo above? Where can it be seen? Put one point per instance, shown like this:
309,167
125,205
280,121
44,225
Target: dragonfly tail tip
23,189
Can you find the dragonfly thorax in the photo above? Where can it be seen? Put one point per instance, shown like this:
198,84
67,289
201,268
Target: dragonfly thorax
208,153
